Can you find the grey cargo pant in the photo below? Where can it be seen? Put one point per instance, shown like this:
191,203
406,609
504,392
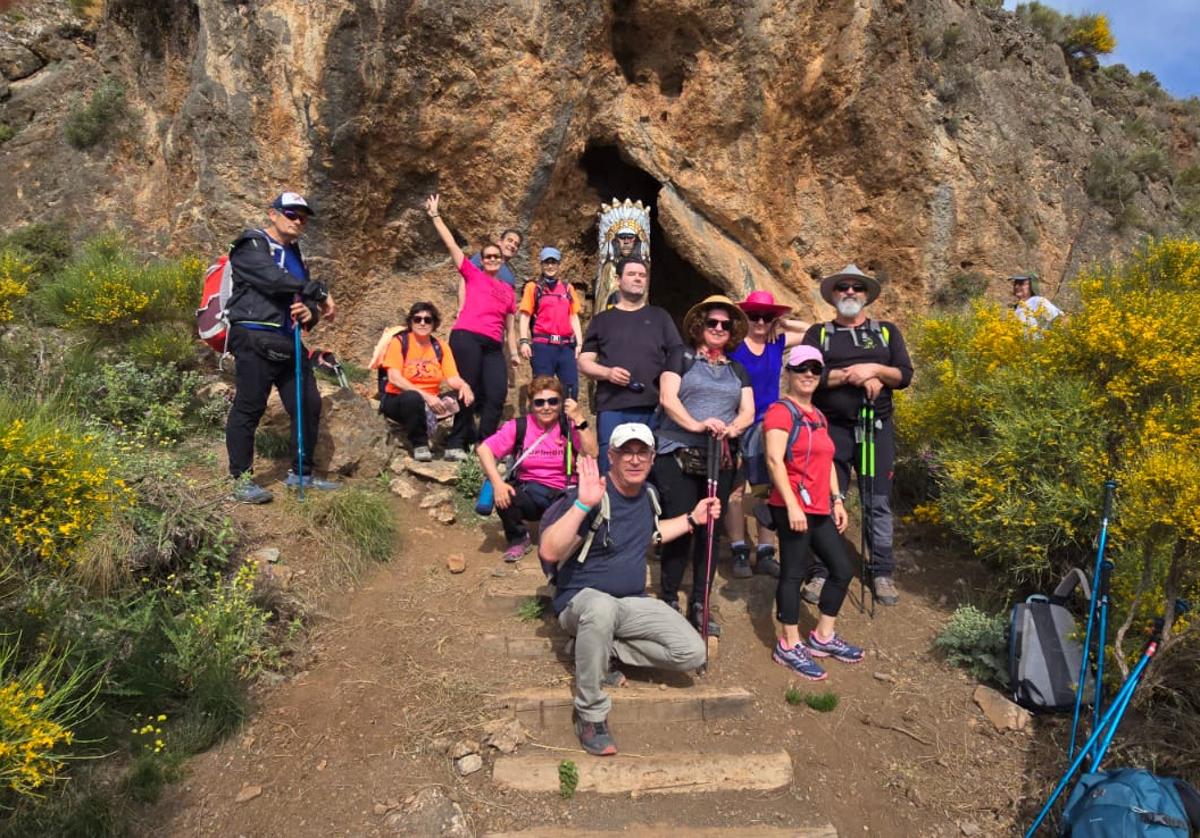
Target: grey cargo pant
639,630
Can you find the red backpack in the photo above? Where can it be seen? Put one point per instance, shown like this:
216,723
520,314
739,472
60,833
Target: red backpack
212,321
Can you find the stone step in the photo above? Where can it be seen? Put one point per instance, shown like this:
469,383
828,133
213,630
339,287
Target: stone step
542,707
657,830
527,646
679,773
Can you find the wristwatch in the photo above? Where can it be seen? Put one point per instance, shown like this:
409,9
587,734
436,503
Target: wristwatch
840,496
691,522
582,426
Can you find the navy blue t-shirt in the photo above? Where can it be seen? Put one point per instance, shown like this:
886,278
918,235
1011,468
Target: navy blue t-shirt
616,562
764,371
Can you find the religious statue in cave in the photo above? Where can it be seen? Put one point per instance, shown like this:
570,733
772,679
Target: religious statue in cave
624,231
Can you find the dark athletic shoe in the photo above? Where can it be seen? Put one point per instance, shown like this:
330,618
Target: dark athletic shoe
764,561
595,738
811,592
835,647
799,661
615,678
714,630
741,562
246,492
885,591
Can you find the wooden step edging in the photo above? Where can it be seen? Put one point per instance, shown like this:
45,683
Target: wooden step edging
657,830
682,773
539,708
526,647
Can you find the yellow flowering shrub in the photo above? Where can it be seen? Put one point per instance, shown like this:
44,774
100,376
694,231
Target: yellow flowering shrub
56,487
1019,430
15,273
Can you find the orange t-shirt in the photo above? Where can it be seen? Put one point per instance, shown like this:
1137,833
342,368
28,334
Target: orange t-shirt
421,367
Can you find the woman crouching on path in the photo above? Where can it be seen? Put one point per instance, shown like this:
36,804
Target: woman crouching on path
476,338
703,394
547,442
807,508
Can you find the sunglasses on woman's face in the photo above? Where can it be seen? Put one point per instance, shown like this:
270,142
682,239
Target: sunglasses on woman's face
553,401
810,367
489,256
759,317
292,215
422,318
843,287
717,325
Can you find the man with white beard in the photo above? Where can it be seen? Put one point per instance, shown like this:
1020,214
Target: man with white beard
865,360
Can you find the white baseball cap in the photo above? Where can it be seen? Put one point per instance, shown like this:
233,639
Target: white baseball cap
628,432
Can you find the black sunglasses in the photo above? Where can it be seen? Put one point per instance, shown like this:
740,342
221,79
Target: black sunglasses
850,286
760,317
719,325
491,256
292,215
553,401
422,318
811,367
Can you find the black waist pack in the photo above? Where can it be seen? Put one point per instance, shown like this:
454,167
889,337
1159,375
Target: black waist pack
275,346
1044,655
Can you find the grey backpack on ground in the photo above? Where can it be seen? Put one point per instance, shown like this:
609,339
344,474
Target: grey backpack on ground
1044,656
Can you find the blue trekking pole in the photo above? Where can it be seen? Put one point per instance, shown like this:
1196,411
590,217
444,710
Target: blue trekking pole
299,405
1098,600
1103,734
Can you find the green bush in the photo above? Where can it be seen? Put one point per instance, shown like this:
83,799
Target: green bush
160,404
7,132
469,481
1110,182
46,247
88,124
976,641
363,518
274,445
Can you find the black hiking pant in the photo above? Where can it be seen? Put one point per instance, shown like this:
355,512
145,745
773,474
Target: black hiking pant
795,559
528,504
481,364
255,376
408,410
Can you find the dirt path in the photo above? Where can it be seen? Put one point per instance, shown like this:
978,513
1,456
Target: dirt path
413,655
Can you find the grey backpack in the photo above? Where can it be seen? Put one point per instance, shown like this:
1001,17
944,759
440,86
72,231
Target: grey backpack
1043,654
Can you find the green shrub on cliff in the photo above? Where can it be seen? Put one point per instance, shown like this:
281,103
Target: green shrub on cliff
88,124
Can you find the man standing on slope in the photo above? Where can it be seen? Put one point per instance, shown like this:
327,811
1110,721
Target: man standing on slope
600,593
625,350
272,297
865,360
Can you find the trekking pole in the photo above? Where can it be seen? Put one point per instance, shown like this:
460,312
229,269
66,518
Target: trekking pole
866,495
712,468
299,406
1103,733
1110,487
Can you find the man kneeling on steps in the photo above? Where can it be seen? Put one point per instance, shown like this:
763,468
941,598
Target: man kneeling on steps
593,544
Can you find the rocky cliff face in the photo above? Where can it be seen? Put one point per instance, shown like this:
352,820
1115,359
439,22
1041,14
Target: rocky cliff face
776,139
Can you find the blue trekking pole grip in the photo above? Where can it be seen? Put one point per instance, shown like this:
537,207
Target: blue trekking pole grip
299,404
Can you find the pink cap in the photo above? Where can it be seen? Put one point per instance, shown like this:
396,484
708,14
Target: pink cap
804,352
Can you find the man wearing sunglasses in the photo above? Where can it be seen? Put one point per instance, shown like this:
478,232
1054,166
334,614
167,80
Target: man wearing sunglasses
865,360
272,296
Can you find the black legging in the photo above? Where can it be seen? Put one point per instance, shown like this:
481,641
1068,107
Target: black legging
530,501
408,408
480,362
680,493
794,559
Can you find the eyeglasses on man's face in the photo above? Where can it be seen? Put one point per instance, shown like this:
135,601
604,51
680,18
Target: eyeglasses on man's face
640,453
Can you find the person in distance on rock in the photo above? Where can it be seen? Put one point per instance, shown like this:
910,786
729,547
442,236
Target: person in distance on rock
416,365
704,396
625,351
487,315
600,586
865,360
551,336
546,445
273,296
1032,309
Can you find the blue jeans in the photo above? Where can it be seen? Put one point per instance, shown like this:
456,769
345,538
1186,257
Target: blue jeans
606,420
558,361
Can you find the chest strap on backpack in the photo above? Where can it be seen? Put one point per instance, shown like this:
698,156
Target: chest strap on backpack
873,325
606,512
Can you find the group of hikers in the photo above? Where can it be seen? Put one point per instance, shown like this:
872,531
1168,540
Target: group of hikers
664,459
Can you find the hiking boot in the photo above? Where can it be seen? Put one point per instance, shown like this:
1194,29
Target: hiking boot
697,615
595,738
811,592
764,561
310,482
454,455
741,562
835,647
422,454
246,491
885,591
799,661
614,679
517,549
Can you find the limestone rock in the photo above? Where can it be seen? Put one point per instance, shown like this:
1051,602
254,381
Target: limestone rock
403,488
248,793
436,497
399,463
463,747
439,471
505,735
1001,712
17,62
353,439
431,812
444,515
468,765
455,563
264,555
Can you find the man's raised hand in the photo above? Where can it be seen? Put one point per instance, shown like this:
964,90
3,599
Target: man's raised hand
591,484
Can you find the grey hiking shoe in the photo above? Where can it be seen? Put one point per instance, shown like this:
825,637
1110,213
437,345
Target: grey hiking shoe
741,562
885,591
811,592
246,491
595,738
765,562
310,482
422,454
454,455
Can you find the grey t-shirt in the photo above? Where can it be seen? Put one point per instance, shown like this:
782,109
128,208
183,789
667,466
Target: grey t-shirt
707,391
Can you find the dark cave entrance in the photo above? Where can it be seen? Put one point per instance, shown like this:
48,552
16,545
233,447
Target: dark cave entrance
675,284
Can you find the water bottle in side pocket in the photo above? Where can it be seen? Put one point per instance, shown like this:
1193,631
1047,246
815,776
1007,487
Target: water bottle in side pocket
486,500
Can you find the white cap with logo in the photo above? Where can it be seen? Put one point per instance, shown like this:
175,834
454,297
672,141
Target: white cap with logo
630,431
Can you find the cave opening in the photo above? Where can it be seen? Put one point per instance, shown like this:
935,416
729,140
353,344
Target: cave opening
675,284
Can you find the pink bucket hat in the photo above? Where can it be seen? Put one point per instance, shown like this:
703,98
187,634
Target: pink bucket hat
804,352
763,301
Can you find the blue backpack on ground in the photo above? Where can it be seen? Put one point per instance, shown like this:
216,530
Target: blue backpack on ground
1130,803
754,444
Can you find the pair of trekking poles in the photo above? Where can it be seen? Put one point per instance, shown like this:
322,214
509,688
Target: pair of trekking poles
864,437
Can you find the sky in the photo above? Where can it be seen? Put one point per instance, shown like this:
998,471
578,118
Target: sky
1155,35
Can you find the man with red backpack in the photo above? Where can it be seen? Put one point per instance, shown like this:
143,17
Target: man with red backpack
272,296
551,335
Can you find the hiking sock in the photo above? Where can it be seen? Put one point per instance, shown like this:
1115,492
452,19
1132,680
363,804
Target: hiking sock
737,544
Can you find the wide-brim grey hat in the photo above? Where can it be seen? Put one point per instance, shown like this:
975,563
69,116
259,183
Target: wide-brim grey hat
851,271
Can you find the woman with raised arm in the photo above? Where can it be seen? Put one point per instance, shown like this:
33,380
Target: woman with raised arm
477,336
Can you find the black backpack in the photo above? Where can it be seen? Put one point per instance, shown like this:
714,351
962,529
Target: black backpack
539,291
403,338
